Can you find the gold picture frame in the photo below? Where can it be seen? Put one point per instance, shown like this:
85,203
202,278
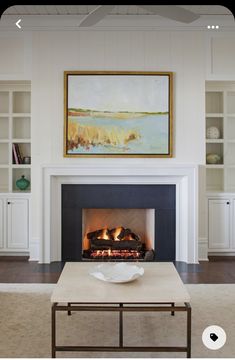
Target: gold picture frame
118,114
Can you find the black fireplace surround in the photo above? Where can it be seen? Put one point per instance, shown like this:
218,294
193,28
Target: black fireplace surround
76,197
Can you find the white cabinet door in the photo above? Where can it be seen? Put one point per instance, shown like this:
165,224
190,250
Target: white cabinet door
1,223
233,226
219,224
17,223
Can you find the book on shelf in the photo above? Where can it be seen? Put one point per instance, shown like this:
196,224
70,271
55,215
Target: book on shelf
14,155
17,154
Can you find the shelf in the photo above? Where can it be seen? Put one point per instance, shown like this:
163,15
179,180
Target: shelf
21,141
16,115
214,141
24,149
4,174
230,102
231,127
215,115
4,128
215,148
16,174
4,102
214,166
214,102
15,128
21,166
230,158
217,122
230,178
21,128
4,153
214,178
21,102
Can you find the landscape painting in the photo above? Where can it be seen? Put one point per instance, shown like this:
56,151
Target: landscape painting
118,114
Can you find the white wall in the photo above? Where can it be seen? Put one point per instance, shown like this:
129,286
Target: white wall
42,56
54,52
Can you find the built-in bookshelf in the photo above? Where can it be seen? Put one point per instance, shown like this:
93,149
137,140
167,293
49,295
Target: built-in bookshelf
15,132
220,113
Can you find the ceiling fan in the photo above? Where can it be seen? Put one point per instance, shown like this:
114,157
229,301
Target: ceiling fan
172,12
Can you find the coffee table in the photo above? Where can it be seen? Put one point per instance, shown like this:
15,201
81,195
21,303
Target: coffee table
159,289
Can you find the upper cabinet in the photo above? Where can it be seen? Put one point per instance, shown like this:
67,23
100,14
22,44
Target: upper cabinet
15,135
220,55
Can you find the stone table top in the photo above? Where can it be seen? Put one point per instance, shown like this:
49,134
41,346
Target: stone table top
160,283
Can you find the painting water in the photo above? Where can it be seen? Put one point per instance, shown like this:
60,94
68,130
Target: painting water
124,133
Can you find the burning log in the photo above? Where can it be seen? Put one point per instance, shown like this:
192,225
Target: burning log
97,234
102,244
116,234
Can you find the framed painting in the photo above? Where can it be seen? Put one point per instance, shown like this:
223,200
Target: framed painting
118,114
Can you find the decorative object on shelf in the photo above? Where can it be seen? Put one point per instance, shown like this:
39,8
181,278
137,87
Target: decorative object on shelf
27,160
212,132
213,158
117,273
22,183
100,121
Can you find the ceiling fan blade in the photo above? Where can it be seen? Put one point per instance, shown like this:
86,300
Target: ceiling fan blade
96,15
173,12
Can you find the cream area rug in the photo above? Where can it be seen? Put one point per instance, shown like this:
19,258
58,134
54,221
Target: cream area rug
25,324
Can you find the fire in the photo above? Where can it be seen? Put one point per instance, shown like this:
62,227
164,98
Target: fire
116,233
104,235
117,254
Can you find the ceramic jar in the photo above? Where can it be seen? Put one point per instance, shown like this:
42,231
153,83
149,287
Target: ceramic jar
22,183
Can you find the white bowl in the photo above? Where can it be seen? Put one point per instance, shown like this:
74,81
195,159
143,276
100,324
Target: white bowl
117,273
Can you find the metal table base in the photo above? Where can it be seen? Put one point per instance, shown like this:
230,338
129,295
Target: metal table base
120,307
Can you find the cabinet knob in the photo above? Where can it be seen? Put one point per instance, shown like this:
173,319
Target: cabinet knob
228,203
8,202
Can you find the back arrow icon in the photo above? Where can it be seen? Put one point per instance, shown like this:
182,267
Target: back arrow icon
18,23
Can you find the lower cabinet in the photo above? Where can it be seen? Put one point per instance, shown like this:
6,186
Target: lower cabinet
17,223
221,224
1,224
14,225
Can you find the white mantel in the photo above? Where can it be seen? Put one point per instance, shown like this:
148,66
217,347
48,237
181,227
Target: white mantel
185,177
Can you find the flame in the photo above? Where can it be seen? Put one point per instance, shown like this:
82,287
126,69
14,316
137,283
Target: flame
116,233
104,235
129,237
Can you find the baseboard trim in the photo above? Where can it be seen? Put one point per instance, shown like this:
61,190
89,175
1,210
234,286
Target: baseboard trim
203,249
221,255
14,257
34,249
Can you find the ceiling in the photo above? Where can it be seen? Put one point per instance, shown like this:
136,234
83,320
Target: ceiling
118,10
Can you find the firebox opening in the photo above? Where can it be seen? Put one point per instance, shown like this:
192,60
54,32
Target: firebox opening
118,234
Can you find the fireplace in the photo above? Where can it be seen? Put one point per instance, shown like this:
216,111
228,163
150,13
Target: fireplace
118,222
184,177
118,234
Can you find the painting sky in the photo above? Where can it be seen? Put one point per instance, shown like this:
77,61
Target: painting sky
119,93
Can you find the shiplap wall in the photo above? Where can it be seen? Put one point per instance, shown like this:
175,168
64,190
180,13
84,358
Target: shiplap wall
42,56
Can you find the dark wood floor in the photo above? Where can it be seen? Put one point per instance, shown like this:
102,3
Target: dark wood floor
216,271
